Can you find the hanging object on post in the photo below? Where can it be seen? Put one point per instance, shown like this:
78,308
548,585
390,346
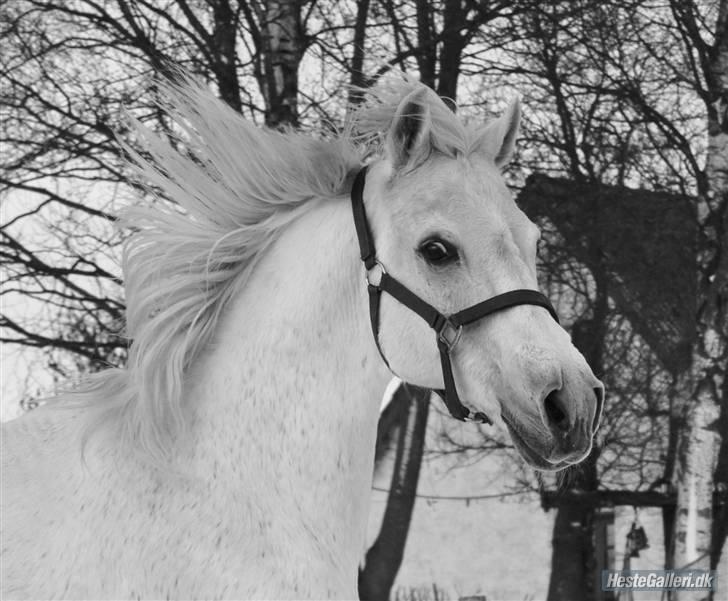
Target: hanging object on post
636,538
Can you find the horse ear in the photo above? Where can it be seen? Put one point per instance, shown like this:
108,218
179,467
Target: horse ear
498,139
408,140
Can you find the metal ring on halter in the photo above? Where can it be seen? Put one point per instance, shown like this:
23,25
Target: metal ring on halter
381,270
478,417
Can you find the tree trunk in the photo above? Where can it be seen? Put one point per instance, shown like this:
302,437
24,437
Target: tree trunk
224,36
719,552
358,78
572,548
427,55
572,554
697,460
453,42
385,556
283,45
573,561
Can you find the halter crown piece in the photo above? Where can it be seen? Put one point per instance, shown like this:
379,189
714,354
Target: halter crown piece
448,329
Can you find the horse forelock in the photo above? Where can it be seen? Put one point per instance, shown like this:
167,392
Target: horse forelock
372,120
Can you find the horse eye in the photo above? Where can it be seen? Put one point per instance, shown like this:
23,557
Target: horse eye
438,252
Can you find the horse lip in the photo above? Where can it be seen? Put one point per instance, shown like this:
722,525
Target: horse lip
536,460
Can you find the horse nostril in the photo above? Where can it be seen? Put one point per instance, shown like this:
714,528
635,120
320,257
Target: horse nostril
555,413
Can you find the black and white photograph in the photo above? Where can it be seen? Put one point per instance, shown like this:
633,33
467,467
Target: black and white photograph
364,299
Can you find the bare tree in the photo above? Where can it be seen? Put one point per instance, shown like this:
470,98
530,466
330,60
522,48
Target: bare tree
611,77
697,542
70,73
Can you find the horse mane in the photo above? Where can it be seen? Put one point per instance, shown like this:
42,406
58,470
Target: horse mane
220,190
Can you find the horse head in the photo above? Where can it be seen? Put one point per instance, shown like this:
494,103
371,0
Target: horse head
445,225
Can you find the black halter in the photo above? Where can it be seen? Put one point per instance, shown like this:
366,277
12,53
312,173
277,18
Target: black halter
447,328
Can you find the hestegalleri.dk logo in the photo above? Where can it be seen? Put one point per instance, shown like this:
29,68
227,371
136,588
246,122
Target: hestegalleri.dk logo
657,580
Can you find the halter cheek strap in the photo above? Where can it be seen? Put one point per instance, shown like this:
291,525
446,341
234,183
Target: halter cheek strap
448,329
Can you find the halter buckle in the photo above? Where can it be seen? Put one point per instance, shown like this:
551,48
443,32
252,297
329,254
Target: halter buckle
449,334
378,270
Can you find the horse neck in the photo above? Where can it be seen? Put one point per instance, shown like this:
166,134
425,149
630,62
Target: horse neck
286,403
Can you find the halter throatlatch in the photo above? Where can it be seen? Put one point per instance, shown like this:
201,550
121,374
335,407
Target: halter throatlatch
448,329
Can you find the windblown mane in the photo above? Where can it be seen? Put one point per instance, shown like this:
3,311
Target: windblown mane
370,123
222,191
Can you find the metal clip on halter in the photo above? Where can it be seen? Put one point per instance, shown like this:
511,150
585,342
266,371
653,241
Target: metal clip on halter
447,332
447,328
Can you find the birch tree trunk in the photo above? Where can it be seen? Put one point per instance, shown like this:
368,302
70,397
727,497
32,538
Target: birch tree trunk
702,436
283,43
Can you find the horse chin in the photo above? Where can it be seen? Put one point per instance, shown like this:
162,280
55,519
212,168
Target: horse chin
530,456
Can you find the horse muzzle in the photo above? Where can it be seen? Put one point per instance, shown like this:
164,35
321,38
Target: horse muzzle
563,427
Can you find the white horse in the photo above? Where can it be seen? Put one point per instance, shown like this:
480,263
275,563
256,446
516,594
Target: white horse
233,457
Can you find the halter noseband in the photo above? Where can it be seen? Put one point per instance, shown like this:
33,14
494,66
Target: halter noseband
447,328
